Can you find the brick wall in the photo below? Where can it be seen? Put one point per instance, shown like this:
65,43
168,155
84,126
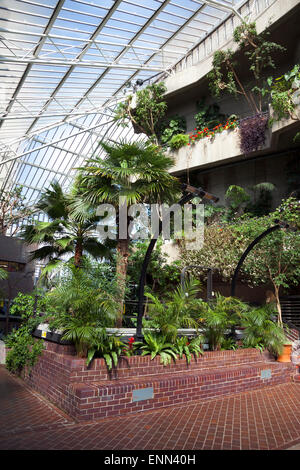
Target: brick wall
89,393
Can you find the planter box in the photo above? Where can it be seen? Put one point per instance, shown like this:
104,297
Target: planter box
139,384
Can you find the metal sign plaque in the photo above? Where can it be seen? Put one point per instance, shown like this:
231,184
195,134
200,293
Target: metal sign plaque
266,374
142,394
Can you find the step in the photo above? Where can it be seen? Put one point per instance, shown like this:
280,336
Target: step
101,399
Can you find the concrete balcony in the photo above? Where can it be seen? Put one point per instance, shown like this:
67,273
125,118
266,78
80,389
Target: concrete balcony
225,147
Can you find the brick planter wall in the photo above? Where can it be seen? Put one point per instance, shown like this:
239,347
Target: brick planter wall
91,393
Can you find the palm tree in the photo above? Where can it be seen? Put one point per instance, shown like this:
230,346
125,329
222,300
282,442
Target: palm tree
132,173
63,235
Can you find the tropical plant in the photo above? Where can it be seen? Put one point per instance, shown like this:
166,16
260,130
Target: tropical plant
261,331
156,344
188,348
145,110
130,173
63,235
91,340
12,210
82,298
218,317
179,310
276,258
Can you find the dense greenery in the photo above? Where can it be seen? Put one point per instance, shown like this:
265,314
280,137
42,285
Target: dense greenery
63,235
145,110
130,173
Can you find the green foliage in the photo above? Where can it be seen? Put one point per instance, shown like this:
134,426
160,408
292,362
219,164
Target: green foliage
162,276
259,52
260,331
82,295
218,316
285,94
137,172
92,341
146,112
236,195
171,128
208,115
63,235
178,141
24,351
177,311
3,274
188,348
156,344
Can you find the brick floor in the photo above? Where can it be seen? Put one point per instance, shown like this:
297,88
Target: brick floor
256,420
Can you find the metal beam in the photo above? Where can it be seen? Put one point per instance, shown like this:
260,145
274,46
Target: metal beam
52,143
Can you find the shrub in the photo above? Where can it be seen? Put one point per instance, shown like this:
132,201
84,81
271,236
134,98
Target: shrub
253,133
178,141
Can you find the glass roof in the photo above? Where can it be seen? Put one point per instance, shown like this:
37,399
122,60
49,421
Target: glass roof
64,64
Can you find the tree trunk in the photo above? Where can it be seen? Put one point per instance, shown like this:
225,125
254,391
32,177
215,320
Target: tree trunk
276,290
78,254
121,271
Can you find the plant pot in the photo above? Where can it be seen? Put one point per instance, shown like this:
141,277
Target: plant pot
286,354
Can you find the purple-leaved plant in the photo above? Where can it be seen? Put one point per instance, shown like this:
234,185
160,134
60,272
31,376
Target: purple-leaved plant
253,132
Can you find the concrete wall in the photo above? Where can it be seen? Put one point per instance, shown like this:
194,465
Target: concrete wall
13,249
202,61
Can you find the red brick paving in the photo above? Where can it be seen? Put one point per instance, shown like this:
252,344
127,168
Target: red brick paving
255,420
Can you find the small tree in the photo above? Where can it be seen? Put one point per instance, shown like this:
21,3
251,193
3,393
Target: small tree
276,258
145,112
12,210
225,77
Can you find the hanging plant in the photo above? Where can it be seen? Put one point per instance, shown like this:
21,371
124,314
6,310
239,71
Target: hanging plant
253,133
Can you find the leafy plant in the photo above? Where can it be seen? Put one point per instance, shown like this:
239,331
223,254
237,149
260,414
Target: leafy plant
178,141
63,235
24,351
253,133
208,115
285,94
145,110
91,341
81,299
218,316
224,76
188,348
156,344
261,332
172,127
178,310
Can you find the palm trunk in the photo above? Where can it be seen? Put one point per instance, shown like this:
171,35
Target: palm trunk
121,271
78,254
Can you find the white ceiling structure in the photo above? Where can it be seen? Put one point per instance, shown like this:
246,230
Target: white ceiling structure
64,64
